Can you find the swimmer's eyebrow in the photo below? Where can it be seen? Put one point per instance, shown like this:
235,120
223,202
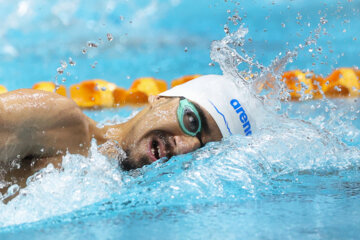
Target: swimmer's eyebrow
203,119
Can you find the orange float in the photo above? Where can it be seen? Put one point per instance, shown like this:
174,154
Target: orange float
119,95
342,82
149,86
126,97
50,87
3,89
93,93
184,79
299,83
136,98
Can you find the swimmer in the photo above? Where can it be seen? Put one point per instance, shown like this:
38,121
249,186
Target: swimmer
38,127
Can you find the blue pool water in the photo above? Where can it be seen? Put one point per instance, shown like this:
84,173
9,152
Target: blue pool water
296,178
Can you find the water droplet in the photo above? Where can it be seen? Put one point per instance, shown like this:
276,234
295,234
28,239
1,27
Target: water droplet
226,29
309,75
299,16
109,37
211,64
323,20
185,49
92,44
337,88
310,50
121,18
63,64
60,70
94,64
84,50
128,77
71,62
11,191
103,88
283,25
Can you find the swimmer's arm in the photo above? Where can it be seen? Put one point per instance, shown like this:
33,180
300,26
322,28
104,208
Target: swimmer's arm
41,124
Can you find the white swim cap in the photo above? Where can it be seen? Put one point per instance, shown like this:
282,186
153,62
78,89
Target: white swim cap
230,106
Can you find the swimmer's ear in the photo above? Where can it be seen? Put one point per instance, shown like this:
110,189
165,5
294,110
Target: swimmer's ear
152,99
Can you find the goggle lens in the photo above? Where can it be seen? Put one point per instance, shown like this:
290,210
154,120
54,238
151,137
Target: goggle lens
189,118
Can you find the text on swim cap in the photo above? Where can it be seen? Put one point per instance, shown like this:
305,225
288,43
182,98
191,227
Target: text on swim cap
242,116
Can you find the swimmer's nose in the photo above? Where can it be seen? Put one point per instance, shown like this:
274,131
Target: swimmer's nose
185,144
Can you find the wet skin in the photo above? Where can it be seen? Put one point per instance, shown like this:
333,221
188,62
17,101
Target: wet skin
38,128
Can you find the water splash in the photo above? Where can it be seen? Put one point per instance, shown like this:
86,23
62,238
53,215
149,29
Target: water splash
224,53
50,192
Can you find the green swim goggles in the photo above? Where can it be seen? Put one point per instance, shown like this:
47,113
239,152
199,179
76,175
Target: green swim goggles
189,118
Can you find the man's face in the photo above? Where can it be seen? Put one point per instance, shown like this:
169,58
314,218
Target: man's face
155,133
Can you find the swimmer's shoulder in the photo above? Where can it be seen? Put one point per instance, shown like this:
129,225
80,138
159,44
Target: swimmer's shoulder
34,98
30,93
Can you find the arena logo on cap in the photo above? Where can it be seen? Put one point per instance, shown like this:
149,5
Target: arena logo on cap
242,116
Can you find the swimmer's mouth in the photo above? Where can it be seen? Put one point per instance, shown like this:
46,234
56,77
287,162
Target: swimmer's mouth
158,148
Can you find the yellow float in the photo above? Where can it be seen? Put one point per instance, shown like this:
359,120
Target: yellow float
3,89
149,86
50,87
342,82
184,79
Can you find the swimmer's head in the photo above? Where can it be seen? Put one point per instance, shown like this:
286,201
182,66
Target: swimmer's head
184,119
223,99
